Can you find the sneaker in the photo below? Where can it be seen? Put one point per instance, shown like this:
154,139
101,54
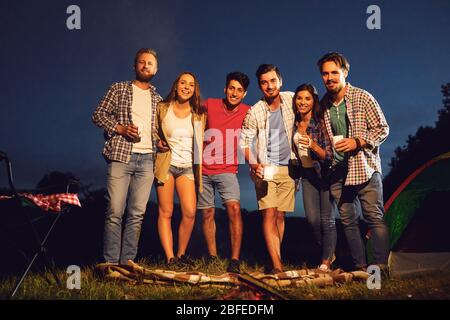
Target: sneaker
333,259
324,267
213,262
186,262
234,266
275,271
212,259
326,264
173,264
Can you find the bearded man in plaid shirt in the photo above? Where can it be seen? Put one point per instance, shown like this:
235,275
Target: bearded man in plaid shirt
127,115
355,115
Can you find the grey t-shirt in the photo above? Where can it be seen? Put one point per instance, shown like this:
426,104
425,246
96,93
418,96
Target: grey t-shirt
279,151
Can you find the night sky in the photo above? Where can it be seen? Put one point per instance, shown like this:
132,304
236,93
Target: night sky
52,78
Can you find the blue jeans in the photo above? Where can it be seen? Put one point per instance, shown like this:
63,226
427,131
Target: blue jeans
319,213
133,180
370,195
227,185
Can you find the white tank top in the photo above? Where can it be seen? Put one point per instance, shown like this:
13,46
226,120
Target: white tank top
179,133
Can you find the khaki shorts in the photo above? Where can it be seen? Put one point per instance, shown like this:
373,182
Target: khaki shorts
277,193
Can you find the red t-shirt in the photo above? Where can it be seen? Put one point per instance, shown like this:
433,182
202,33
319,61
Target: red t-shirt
223,129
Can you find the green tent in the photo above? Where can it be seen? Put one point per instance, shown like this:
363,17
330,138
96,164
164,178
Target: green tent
418,217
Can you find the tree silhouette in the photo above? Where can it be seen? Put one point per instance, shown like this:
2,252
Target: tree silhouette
57,182
427,143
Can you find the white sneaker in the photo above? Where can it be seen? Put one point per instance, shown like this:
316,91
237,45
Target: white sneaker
323,267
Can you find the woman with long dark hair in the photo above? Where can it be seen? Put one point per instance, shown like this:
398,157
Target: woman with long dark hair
180,124
313,149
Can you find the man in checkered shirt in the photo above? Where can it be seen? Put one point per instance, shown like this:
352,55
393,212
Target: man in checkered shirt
355,115
266,139
127,115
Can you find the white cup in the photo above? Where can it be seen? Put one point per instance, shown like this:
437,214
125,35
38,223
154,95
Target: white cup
139,126
336,139
303,151
269,172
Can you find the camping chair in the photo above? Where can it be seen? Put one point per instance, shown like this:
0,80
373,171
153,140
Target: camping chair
22,204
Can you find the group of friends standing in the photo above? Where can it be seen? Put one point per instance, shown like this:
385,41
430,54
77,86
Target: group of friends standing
193,146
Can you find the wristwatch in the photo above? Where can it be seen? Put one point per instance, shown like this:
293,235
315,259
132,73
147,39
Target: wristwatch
358,144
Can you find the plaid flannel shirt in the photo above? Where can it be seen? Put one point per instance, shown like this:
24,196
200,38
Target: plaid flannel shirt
319,134
256,126
365,121
115,108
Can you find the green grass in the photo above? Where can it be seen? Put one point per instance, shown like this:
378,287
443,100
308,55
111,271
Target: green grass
35,286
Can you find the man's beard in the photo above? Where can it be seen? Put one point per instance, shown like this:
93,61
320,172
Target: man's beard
273,95
143,78
334,91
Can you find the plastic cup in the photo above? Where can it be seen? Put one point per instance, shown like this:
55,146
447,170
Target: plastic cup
302,150
336,139
269,172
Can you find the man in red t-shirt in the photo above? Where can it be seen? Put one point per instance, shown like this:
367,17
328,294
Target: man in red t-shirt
220,164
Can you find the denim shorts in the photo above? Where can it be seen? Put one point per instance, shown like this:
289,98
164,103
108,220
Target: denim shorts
226,184
177,172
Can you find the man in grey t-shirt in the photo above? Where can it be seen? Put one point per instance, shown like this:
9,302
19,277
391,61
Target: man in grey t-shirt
267,131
